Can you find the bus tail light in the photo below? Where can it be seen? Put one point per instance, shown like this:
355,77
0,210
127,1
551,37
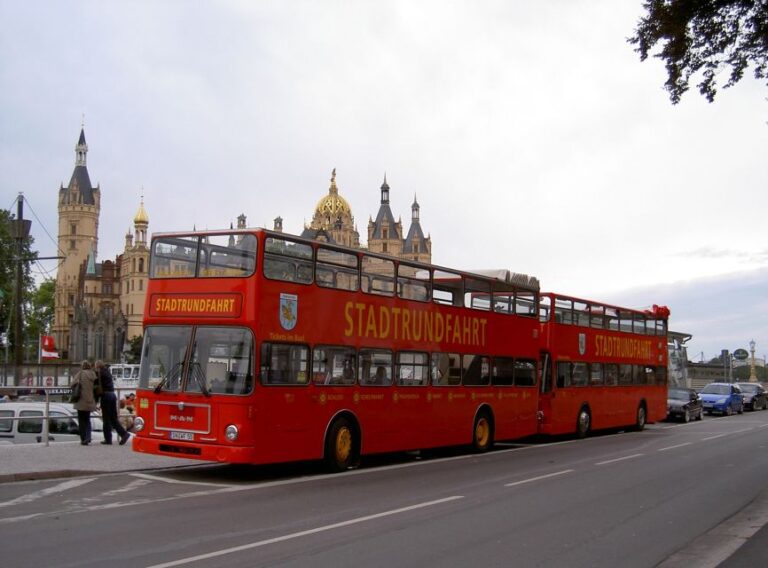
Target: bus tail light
231,432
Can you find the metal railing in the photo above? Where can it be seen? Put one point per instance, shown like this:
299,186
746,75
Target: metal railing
43,395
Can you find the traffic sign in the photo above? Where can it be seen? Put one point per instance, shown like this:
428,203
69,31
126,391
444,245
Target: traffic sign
740,355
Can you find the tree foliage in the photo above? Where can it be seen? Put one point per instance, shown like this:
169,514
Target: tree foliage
8,263
39,308
134,352
703,38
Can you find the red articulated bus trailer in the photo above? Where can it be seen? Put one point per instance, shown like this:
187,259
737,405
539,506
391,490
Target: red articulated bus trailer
602,366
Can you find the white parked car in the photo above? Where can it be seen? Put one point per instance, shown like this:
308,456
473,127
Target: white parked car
22,423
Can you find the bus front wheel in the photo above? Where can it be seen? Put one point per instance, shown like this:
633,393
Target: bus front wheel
341,446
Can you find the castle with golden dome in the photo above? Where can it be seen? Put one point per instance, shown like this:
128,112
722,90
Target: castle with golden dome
98,306
333,222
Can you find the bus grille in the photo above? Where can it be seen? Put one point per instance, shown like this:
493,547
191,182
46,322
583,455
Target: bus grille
180,450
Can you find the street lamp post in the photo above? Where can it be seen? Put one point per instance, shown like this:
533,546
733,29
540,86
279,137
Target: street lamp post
752,374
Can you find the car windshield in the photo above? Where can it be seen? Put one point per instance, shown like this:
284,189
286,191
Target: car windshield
716,389
751,389
679,394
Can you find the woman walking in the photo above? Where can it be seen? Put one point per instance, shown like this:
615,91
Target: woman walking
86,404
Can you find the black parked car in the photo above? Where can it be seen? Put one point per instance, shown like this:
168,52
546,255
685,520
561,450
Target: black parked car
755,397
684,404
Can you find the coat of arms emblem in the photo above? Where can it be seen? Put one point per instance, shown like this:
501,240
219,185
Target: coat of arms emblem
289,311
582,343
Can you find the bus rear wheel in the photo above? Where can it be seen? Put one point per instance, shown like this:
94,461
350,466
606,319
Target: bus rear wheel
341,446
482,433
583,422
641,418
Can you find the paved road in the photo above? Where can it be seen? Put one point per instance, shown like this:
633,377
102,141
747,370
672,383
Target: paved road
671,496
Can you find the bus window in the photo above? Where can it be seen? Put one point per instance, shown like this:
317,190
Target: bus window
287,260
333,365
563,374
477,294
336,269
447,288
625,321
579,376
525,373
165,347
476,370
595,374
563,311
545,308
625,374
581,313
446,369
375,367
611,374
412,368
174,257
223,256
597,317
525,304
284,364
412,283
222,361
503,371
503,302
378,276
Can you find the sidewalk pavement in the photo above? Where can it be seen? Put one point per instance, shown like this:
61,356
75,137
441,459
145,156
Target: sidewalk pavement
20,462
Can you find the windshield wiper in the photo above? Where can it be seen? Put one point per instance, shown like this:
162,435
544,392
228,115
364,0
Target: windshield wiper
197,373
175,372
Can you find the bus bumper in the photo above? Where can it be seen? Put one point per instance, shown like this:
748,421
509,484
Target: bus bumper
203,452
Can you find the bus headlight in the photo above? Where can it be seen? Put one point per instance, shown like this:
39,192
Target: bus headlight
231,432
138,424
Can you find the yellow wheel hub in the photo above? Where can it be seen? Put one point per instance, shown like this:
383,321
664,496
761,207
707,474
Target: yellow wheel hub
343,444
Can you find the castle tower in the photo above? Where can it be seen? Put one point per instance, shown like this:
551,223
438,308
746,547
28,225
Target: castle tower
134,273
417,246
79,208
385,234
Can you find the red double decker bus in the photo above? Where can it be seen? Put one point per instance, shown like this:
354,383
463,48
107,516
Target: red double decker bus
260,347
602,366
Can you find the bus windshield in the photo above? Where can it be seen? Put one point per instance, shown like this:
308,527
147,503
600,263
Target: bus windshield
211,360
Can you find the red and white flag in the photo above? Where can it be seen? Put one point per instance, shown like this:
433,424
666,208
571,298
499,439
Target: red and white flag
48,348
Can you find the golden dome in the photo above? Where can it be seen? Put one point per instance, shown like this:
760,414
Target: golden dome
141,215
333,205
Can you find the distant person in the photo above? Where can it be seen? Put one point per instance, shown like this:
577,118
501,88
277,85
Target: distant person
125,414
109,406
86,404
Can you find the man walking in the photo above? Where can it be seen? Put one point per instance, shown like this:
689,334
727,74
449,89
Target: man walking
109,406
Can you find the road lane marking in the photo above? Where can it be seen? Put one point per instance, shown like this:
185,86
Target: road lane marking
178,481
673,447
538,478
316,530
619,459
713,437
48,491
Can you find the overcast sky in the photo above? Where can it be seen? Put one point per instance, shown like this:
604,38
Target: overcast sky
530,132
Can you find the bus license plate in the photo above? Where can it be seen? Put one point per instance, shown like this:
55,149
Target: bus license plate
188,436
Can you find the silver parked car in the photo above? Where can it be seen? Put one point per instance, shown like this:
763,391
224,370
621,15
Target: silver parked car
22,423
